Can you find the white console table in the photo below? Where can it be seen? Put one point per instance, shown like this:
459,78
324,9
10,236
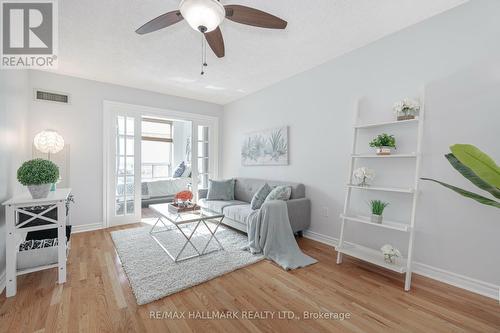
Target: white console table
18,206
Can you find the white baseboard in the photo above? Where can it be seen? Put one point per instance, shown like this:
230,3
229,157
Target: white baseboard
329,240
3,282
476,286
86,227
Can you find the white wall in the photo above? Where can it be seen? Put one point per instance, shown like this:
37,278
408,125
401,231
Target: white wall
80,123
454,55
13,148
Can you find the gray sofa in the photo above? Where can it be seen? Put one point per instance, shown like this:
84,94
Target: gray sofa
237,210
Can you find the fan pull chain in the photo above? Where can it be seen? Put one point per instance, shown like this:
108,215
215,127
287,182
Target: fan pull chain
203,54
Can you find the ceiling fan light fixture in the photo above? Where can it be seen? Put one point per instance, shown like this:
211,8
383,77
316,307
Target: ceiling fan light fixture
203,15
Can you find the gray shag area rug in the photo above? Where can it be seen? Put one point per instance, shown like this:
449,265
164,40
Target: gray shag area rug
152,274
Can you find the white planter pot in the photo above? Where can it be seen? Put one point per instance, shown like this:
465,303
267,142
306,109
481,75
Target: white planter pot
383,150
376,218
39,191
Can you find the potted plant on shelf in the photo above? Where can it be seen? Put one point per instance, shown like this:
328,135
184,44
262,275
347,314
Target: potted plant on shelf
38,175
406,109
378,207
384,143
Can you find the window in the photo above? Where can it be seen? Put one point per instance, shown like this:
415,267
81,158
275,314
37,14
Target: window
156,148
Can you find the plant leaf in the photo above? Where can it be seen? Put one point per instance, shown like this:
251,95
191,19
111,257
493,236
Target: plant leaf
470,175
474,196
480,163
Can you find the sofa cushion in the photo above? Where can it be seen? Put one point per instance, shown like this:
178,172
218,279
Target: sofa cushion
218,205
260,196
280,193
220,190
238,213
245,188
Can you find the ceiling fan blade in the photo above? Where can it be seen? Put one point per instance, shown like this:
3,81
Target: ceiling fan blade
216,42
254,17
161,22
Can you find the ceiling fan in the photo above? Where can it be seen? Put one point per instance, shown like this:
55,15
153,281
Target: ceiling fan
206,16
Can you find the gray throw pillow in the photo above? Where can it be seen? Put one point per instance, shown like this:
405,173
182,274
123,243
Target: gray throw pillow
280,193
259,197
220,190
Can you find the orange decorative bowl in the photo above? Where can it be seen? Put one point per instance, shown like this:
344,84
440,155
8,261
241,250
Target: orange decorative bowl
184,196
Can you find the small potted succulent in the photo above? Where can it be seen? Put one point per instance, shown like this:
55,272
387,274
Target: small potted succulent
383,143
377,210
38,175
407,109
390,253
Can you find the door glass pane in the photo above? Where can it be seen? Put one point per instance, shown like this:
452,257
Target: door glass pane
203,158
203,183
202,149
202,133
119,208
130,126
130,166
202,165
130,188
121,125
130,146
120,145
130,207
120,187
120,165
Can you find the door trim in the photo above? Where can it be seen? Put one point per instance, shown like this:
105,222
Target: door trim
143,110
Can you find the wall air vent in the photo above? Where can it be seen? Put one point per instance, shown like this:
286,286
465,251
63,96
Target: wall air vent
42,95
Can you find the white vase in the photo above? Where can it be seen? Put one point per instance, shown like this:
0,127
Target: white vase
39,191
376,218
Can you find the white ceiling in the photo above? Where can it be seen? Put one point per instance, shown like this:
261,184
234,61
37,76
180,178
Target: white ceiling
97,41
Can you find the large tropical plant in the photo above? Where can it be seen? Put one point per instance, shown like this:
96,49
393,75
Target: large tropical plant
478,168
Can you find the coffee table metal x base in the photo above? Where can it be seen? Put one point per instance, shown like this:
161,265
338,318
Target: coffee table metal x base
188,237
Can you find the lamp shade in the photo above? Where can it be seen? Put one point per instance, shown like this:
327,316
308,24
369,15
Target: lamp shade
49,142
202,15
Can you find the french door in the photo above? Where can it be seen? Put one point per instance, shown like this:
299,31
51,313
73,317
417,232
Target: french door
122,156
124,167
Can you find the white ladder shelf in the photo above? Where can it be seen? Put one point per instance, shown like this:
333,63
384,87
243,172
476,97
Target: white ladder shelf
362,252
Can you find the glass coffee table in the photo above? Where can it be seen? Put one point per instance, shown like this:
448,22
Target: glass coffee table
197,218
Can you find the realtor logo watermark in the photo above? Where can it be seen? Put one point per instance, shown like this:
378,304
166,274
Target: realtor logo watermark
29,34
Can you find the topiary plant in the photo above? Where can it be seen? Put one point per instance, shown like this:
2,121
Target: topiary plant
37,172
383,140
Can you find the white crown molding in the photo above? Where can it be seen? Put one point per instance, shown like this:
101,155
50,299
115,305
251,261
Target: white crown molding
464,282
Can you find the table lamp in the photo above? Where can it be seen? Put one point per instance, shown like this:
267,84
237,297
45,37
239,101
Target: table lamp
49,142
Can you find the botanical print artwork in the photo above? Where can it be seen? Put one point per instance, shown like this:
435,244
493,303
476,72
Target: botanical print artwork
267,147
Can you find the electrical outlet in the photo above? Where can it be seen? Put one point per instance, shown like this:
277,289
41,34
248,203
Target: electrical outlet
324,211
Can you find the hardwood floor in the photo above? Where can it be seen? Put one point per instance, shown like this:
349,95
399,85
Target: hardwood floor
97,298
